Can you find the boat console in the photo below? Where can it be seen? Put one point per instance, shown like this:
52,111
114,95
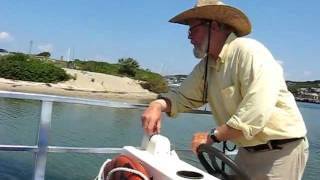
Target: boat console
161,162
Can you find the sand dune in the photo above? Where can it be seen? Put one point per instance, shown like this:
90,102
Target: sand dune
86,84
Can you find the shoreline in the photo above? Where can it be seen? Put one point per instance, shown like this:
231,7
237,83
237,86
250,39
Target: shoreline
113,96
307,101
116,96
103,87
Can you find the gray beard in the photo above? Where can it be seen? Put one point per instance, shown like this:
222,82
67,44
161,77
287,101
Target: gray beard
201,51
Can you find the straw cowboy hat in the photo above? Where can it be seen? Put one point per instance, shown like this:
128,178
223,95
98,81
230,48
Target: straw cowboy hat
216,10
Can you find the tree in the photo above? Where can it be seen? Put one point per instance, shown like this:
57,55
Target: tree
130,61
128,66
44,54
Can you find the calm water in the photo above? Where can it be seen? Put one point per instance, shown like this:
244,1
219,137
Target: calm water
93,126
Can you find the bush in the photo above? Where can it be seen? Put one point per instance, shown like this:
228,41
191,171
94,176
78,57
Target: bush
152,81
23,67
99,67
128,66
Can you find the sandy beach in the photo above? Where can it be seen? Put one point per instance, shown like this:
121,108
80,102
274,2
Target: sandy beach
86,85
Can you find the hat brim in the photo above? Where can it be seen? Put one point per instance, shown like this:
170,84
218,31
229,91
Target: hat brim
220,13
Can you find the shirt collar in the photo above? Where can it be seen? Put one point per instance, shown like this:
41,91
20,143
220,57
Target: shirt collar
224,49
230,38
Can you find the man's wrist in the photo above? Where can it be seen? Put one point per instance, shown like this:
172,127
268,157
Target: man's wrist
160,103
167,102
213,135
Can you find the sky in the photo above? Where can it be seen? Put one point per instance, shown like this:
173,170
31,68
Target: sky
107,30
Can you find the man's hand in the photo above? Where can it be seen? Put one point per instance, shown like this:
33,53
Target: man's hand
200,138
151,118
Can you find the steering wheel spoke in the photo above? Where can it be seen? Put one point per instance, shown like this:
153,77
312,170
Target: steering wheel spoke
213,168
214,163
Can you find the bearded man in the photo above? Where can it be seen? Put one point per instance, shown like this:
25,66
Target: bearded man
246,90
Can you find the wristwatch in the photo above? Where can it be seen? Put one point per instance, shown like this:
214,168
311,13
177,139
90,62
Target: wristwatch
213,136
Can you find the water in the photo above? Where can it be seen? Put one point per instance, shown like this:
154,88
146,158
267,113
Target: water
93,126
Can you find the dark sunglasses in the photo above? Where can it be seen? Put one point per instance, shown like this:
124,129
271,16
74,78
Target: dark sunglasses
197,25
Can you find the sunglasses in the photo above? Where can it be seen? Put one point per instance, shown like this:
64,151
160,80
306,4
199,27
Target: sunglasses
197,25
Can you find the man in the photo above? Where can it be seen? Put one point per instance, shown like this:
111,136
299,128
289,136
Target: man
246,90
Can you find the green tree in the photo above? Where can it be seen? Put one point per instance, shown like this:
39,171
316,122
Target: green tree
44,54
128,66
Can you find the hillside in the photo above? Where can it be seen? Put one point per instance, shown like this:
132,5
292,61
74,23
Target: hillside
294,86
124,68
41,68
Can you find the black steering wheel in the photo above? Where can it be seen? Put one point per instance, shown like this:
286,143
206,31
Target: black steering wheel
213,168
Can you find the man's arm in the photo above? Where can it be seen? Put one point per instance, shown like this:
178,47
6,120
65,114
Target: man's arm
224,132
151,118
260,78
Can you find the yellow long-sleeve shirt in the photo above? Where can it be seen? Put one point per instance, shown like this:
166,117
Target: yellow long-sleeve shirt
246,90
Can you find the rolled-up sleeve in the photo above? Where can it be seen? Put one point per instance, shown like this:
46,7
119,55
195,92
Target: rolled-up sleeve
259,78
189,94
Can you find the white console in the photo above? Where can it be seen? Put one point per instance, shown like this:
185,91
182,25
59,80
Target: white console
163,163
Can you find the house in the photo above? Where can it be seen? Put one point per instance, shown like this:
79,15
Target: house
310,96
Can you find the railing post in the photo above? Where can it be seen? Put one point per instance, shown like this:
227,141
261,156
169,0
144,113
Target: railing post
40,157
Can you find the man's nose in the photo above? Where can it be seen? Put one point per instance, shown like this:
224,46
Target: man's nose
189,35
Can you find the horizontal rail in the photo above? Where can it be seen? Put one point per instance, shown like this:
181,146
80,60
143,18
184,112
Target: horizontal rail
58,149
18,148
74,100
62,149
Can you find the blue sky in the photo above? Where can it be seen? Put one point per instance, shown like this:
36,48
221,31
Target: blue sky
108,30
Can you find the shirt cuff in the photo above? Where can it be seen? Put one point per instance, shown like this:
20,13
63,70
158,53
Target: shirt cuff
174,109
234,122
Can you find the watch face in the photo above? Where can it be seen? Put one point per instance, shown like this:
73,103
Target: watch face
212,132
213,136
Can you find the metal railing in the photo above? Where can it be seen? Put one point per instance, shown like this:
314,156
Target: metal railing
42,147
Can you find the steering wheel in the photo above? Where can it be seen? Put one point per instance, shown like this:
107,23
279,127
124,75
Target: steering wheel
214,168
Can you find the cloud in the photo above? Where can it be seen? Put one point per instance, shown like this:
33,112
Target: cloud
45,47
307,73
5,37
